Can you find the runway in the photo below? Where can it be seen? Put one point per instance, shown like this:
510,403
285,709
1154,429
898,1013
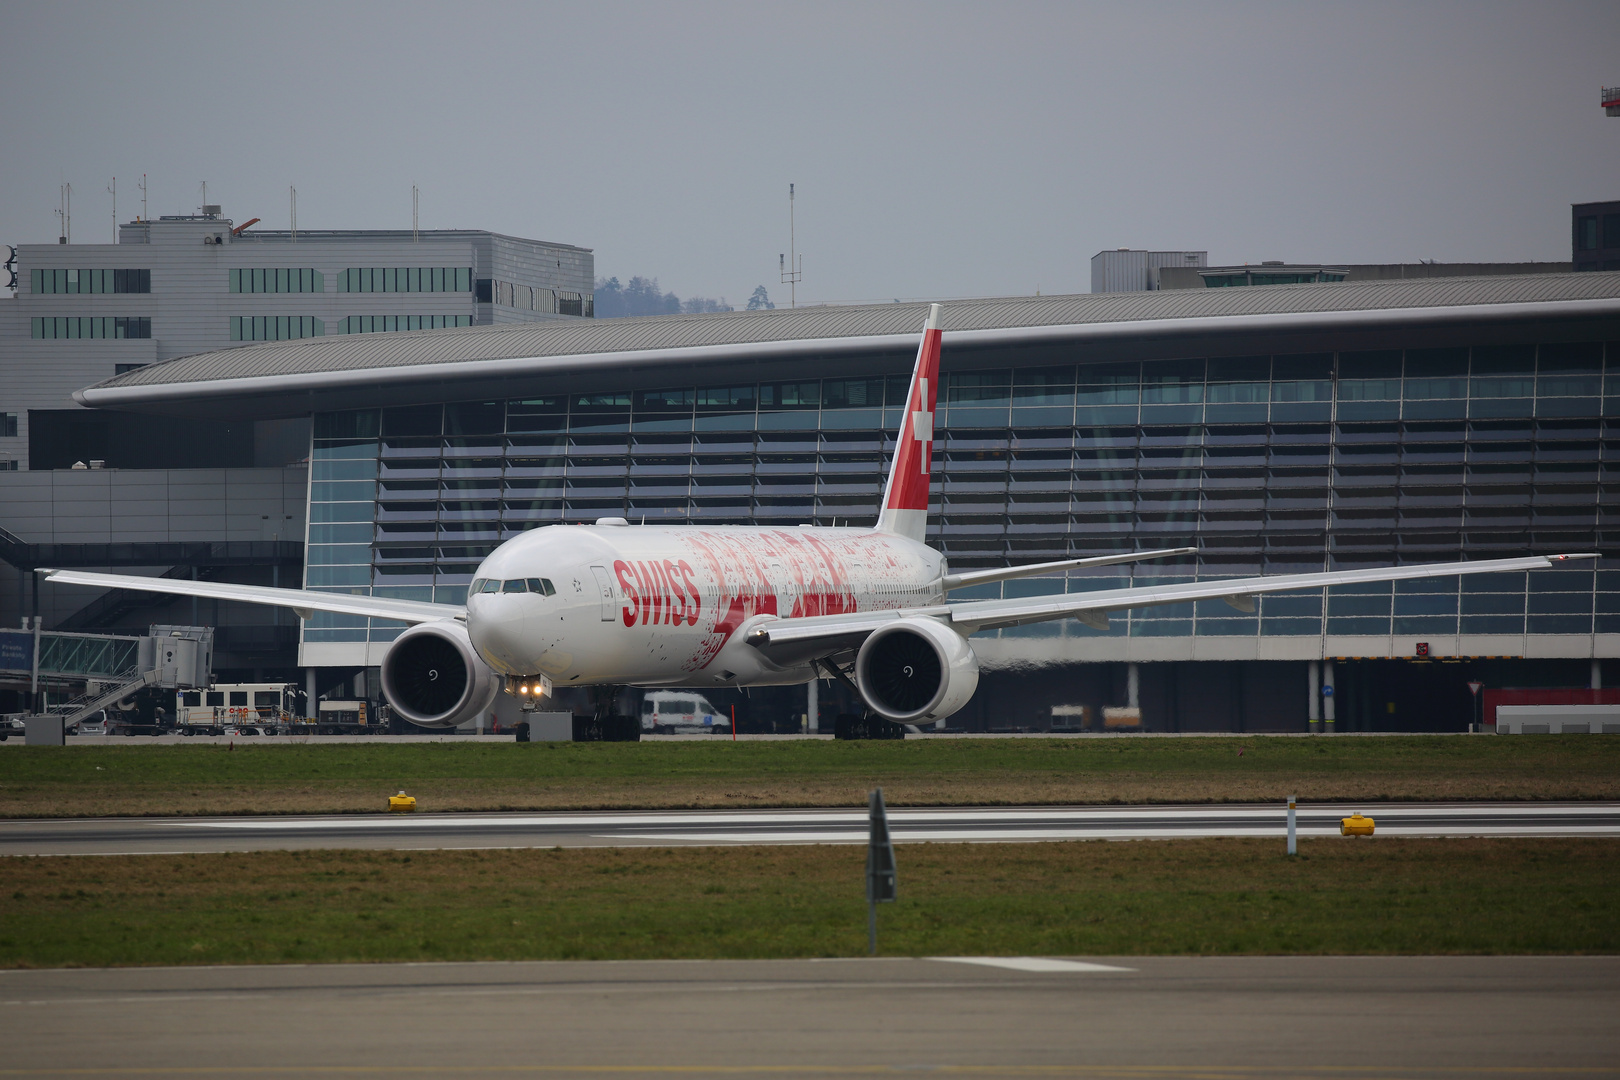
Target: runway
128,836
1147,1018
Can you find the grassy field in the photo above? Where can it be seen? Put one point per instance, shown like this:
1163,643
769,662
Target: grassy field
1233,896
351,777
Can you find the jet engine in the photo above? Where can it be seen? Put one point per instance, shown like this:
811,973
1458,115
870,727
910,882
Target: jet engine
916,669
433,676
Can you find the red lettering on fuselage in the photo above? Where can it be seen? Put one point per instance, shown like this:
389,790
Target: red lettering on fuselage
622,570
697,599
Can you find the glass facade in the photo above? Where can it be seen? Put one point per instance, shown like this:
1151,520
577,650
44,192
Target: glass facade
278,279
91,327
275,327
1228,280
1267,464
372,324
406,279
91,281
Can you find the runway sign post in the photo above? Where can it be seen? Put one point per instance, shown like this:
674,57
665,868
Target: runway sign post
1293,843
880,870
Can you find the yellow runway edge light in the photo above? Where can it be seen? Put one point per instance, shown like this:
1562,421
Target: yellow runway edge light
1356,825
402,803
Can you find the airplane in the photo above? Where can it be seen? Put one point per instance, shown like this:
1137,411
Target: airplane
612,604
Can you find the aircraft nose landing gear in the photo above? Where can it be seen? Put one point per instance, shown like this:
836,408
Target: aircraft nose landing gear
529,690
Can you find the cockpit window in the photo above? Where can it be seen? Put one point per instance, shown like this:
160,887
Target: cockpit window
542,586
491,585
516,585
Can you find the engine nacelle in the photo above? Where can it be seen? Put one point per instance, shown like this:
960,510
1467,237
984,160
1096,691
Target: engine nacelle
432,676
916,669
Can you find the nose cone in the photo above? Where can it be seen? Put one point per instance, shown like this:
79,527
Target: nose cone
497,623
507,628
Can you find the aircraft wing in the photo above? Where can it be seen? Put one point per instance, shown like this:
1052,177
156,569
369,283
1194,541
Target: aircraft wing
788,640
303,601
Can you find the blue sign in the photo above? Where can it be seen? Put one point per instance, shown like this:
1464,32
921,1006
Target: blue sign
16,650
1327,691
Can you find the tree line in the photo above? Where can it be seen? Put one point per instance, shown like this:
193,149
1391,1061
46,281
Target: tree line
644,296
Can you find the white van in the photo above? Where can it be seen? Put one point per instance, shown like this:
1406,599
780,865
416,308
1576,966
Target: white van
680,712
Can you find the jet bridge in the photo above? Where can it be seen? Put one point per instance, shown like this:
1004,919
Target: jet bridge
109,668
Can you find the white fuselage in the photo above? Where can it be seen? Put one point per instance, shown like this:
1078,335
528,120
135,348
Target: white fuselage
670,606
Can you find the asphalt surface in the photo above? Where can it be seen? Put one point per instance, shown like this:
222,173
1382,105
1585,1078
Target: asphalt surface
1231,1018
119,836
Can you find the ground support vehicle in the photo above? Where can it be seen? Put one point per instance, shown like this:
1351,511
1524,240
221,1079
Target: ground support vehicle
348,718
239,708
680,712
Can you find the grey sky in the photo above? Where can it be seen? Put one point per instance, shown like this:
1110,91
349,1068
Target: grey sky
939,149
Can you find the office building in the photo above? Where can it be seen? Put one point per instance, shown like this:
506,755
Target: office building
1126,270
1595,235
213,495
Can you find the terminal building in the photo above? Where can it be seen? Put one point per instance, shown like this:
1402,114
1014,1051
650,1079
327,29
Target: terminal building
1276,428
212,495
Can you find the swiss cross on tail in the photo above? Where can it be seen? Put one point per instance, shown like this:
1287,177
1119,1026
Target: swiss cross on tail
905,497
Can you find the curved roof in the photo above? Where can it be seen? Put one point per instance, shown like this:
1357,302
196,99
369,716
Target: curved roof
357,361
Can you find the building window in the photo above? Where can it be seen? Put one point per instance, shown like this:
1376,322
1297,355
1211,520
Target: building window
373,324
92,281
485,293
1611,230
570,303
275,327
1586,234
102,327
406,279
8,425
125,369
277,279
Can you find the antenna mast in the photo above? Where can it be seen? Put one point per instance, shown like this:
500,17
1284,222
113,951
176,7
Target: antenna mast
143,196
292,200
114,190
791,266
413,213
65,215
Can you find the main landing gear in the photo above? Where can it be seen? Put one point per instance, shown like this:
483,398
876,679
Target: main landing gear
604,725
866,725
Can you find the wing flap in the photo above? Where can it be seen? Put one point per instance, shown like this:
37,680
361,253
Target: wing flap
1008,573
303,601
794,640
972,616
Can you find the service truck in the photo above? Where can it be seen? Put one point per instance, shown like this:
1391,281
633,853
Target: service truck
239,709
680,712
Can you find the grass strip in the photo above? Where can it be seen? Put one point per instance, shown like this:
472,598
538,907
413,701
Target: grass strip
1202,897
350,777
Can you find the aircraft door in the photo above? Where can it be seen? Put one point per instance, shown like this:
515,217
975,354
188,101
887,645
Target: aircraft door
604,584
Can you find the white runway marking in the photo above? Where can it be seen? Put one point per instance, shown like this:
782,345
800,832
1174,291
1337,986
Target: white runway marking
1250,817
1027,963
723,828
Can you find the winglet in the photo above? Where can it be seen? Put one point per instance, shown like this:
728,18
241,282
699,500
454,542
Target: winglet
905,496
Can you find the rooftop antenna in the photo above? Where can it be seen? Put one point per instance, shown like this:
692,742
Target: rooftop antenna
65,215
204,208
292,200
791,265
113,188
143,196
413,212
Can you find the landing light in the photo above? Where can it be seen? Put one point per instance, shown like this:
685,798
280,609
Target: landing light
528,686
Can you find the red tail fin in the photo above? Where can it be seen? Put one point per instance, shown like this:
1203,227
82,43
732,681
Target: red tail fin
905,497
